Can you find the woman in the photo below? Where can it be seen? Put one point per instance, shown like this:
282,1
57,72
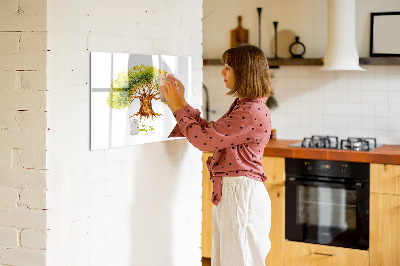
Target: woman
242,208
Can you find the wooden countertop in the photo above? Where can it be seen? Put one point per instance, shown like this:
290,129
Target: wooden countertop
389,154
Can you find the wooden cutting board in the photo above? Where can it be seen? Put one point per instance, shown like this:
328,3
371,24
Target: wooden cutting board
239,35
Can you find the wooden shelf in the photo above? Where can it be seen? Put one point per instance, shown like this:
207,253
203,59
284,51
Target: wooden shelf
274,63
380,61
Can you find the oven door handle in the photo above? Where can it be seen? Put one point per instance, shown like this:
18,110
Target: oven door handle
357,185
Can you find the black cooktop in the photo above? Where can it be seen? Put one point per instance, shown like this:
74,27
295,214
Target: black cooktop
332,142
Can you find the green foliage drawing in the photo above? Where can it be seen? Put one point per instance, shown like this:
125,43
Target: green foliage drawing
140,82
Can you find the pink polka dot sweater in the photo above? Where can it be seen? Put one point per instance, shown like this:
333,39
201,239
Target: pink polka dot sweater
238,139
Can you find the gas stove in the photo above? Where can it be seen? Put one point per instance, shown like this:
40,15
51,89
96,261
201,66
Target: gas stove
332,142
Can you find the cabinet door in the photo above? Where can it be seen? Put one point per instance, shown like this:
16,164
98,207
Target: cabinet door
385,178
274,168
304,254
206,226
277,233
384,230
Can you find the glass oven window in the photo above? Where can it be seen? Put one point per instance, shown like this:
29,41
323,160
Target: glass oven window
326,207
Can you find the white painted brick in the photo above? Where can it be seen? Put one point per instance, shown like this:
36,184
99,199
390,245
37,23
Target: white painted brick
8,237
197,76
191,23
24,61
115,186
23,178
31,80
190,48
22,100
36,7
7,79
24,22
17,256
33,42
197,61
5,159
33,159
168,20
196,166
80,227
33,239
197,101
133,44
33,120
20,217
9,42
103,42
33,199
34,140
98,172
8,6
196,10
8,197
176,7
15,158
79,175
98,222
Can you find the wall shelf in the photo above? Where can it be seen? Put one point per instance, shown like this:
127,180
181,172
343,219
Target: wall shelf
380,61
274,63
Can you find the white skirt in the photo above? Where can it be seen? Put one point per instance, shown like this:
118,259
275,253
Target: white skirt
241,223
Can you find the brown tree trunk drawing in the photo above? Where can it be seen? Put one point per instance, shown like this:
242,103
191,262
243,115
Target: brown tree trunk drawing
146,95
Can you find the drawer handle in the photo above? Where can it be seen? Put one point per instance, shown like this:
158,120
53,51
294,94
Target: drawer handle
324,254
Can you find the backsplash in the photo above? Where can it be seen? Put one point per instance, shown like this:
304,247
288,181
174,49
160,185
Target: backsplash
314,102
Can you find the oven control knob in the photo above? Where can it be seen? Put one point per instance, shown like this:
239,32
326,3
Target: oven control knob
308,166
343,168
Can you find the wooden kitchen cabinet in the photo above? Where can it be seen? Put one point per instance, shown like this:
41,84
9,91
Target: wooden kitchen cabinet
206,225
384,236
385,215
385,178
274,168
305,254
277,233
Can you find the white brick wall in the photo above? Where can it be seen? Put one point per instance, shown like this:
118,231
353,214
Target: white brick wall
138,205
23,125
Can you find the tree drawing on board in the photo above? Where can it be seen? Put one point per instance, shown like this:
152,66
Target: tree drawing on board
139,82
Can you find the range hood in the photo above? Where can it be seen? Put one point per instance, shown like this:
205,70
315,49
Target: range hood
341,51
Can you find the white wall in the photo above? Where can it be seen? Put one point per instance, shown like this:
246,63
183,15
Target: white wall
343,104
138,205
306,19
23,133
311,102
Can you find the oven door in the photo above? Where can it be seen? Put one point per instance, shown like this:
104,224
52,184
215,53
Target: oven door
327,213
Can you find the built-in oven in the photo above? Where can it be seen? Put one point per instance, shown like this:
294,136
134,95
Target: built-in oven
327,202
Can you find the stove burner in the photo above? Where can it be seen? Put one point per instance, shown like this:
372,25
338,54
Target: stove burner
332,142
328,142
358,144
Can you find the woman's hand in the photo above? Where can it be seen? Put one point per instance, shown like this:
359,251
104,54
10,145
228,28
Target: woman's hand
174,94
181,92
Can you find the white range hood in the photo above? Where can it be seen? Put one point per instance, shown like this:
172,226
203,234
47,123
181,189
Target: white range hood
341,51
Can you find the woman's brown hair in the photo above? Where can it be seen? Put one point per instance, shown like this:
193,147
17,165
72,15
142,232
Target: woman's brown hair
250,66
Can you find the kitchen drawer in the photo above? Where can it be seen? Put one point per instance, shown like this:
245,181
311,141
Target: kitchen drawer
305,254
